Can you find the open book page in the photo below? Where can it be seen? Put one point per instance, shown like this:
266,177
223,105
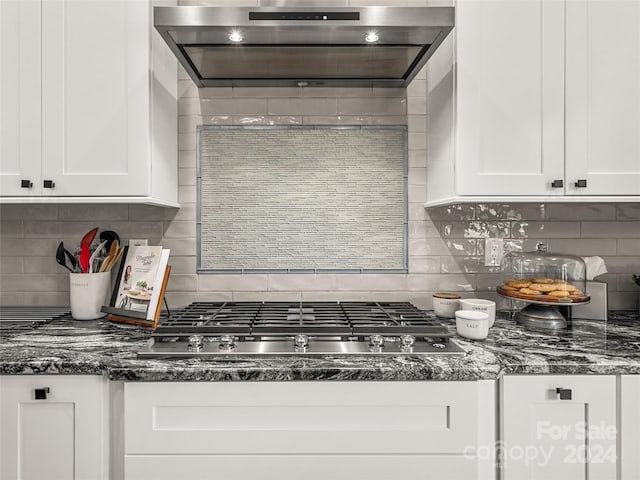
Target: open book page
155,304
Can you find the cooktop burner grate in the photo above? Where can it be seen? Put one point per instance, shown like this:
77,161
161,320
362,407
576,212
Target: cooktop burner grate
292,328
290,318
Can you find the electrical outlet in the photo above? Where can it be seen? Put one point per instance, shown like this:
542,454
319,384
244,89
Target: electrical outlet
493,252
138,243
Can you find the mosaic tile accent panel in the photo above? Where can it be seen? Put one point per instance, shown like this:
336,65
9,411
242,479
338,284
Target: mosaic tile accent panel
302,198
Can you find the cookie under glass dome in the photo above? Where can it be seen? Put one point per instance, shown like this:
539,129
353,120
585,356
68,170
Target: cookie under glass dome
543,278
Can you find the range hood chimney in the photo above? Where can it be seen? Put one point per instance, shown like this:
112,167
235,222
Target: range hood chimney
303,46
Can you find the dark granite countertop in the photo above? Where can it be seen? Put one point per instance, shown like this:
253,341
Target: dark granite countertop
101,347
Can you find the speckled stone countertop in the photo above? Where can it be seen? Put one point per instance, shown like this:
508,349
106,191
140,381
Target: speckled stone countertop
101,347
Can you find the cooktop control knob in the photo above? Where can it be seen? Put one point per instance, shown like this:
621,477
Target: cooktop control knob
376,343
194,343
301,343
406,343
227,343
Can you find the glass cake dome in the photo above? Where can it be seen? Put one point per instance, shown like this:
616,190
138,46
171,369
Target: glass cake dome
543,279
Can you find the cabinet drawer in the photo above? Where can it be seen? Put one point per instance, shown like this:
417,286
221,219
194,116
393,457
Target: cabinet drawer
300,417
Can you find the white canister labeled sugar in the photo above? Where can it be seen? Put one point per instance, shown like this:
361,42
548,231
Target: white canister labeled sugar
88,292
445,304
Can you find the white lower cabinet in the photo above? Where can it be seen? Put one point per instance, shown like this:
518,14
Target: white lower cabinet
630,427
311,430
60,437
558,427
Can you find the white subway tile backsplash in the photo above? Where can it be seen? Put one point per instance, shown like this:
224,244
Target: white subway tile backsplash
268,120
36,282
302,106
187,194
11,229
628,211
232,283
186,141
41,229
577,212
440,283
372,282
233,106
179,229
267,296
187,158
92,213
301,282
372,106
335,296
10,265
146,212
583,246
189,106
31,212
629,246
611,229
187,211
45,298
545,229
187,176
424,264
182,282
180,246
271,92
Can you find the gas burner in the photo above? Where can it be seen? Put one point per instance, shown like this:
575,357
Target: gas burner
310,328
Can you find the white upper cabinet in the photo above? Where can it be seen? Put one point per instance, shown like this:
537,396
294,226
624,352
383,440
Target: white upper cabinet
510,68
529,97
603,97
20,83
108,110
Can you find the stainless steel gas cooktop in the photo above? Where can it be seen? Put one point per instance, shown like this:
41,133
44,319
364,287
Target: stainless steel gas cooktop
294,328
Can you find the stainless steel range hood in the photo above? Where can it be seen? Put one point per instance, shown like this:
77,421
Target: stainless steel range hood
278,46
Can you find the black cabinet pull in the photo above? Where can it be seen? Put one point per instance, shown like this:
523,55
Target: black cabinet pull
557,184
49,184
26,183
41,393
581,184
565,393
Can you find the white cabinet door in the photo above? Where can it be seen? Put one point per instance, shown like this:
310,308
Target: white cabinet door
57,438
547,438
603,97
509,96
95,84
630,427
315,430
20,97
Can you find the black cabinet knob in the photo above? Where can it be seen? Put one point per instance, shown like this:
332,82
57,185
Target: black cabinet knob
41,393
581,184
557,184
564,393
26,183
49,184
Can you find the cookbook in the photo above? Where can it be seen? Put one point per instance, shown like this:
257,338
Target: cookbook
139,289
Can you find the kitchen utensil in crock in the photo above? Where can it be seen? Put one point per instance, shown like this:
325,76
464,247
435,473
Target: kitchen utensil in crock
61,257
116,258
110,236
85,255
88,237
95,254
